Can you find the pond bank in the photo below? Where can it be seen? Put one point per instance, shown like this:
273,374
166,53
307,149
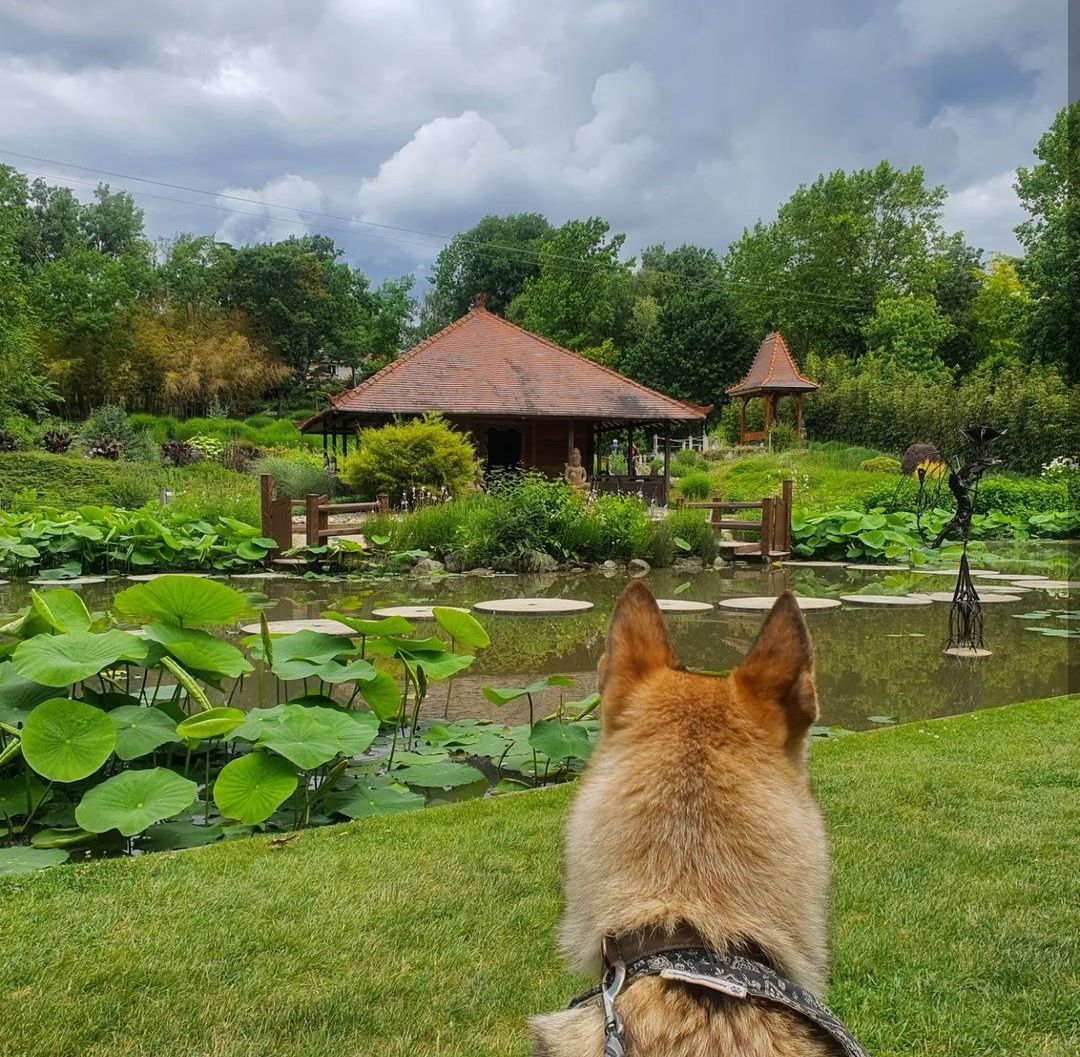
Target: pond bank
433,932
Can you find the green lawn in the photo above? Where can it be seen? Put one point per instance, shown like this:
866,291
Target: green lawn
823,479
955,924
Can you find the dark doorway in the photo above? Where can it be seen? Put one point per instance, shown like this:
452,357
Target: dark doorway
503,450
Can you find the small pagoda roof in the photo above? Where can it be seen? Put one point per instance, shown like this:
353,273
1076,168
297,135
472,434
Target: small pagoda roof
481,365
773,371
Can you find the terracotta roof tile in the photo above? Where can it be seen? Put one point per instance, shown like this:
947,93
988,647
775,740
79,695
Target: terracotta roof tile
481,364
773,370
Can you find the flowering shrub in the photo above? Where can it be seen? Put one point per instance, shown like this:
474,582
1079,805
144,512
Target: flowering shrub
57,441
209,447
106,448
179,453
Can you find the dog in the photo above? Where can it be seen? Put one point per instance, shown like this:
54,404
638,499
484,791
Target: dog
694,824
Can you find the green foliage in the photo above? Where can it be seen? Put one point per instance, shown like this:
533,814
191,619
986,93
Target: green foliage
111,422
104,538
909,330
298,474
581,294
495,257
686,460
696,485
876,402
29,479
692,526
782,437
204,490
424,455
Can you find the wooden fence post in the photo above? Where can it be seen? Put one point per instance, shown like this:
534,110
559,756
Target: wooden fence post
266,502
766,525
785,524
311,518
384,502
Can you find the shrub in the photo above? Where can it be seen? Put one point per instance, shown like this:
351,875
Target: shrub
424,453
686,461
881,464
1009,494
57,441
8,442
179,453
206,490
782,437
431,528
239,455
106,448
30,478
692,526
298,475
109,433
207,445
159,428
695,486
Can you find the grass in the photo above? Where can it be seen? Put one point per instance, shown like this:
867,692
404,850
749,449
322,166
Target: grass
431,933
826,477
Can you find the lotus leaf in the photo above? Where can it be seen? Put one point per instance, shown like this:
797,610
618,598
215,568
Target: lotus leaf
140,729
133,800
504,695
312,736
212,723
382,695
438,774
371,628
461,626
167,836
61,838
62,609
253,786
362,800
199,650
22,860
184,600
22,795
561,741
66,740
60,660
19,695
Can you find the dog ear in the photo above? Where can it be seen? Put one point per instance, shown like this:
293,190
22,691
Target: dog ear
637,640
779,670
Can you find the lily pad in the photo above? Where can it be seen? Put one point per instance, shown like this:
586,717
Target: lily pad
439,774
61,838
23,860
310,737
185,600
199,650
61,660
382,695
133,800
168,836
461,626
61,609
253,786
140,730
66,740
561,741
504,695
361,801
211,723
371,628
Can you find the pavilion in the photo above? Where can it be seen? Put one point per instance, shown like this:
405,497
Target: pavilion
526,401
773,375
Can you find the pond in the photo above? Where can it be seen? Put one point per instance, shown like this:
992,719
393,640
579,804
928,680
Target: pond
872,660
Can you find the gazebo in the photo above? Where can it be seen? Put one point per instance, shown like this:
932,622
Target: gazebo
526,401
772,375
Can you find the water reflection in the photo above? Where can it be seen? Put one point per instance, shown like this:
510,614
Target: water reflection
870,661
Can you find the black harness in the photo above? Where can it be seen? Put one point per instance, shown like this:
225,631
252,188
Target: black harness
733,975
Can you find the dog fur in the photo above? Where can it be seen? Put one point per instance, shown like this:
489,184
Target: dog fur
696,810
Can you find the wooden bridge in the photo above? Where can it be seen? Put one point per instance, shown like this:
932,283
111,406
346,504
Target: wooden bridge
772,526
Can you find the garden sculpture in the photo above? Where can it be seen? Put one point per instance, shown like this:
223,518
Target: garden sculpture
575,474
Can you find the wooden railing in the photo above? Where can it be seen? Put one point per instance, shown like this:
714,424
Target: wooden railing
773,528
277,515
317,511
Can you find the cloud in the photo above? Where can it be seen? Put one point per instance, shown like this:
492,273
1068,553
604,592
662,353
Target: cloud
676,120
284,208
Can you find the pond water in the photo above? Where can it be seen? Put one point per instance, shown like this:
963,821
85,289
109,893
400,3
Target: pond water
871,660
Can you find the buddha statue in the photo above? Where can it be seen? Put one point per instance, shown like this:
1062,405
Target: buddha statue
575,473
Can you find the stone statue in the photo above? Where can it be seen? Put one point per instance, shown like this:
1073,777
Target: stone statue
575,473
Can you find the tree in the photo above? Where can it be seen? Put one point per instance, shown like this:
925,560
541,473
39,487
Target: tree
495,257
1050,237
304,304
819,269
112,224
388,327
908,330
195,273
582,293
957,269
689,341
1001,310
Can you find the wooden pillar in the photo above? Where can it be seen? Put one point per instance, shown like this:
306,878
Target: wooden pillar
768,412
570,441
629,448
767,525
742,419
784,520
798,416
667,462
532,443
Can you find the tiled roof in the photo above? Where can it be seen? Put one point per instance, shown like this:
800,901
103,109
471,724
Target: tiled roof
481,364
774,370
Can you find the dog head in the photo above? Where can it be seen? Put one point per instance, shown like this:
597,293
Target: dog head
696,807
772,690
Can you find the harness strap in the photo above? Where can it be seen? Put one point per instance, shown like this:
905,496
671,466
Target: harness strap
732,975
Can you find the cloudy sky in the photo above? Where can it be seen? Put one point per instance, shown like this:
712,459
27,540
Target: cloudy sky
678,120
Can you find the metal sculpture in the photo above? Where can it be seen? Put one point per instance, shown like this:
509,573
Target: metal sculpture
965,614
